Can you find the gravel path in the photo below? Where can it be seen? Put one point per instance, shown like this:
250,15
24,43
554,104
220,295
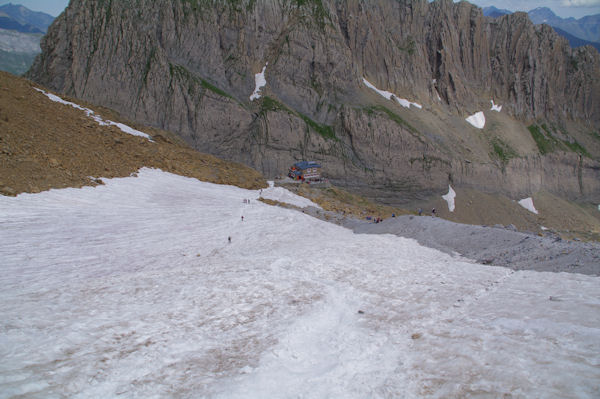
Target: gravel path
497,246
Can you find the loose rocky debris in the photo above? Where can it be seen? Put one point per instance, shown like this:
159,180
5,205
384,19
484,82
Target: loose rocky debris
497,246
44,145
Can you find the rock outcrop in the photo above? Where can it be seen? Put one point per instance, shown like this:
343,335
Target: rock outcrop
189,66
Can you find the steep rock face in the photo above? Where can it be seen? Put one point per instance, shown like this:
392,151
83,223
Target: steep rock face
534,69
188,66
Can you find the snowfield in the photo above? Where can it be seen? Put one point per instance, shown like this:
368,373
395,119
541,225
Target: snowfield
131,289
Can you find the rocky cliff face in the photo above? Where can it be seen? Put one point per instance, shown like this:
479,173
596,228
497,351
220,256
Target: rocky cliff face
189,66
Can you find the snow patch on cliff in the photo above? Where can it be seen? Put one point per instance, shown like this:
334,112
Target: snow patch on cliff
450,198
388,95
406,104
495,107
477,120
260,81
102,122
527,203
391,96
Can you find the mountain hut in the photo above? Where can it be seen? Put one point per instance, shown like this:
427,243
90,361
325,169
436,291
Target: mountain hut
305,170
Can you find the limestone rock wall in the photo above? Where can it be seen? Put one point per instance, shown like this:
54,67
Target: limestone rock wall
188,66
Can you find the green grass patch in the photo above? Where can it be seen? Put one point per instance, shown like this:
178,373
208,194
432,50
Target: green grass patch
392,116
547,143
269,104
576,147
502,150
317,9
544,144
324,130
215,89
182,72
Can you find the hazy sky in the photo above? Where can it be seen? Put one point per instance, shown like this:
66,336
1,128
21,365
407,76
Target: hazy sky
563,8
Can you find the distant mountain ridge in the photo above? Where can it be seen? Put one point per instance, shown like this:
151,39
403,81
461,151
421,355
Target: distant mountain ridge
25,17
579,32
575,41
494,12
9,23
586,28
20,32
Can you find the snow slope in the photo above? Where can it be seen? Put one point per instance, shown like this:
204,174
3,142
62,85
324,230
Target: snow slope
131,289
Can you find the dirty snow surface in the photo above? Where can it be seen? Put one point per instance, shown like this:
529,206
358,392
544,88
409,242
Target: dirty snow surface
280,194
131,289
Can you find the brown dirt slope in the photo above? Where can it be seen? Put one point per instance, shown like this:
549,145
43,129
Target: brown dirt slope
44,145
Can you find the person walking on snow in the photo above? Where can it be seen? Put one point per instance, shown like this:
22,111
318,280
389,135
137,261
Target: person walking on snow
242,218
229,239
